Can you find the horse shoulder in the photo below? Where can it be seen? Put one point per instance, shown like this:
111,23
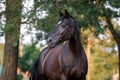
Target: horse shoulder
50,64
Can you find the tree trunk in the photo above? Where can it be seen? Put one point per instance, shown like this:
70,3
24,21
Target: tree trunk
12,32
116,37
114,33
88,51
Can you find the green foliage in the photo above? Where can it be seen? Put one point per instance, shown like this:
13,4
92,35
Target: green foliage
30,54
19,76
90,11
76,8
114,3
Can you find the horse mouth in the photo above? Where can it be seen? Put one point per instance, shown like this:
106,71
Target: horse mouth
54,44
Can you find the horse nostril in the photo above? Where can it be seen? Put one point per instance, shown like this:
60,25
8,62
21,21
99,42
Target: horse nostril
49,40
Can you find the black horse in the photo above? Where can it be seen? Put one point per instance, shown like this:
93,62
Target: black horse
62,62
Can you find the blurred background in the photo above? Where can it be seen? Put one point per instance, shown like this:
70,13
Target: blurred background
39,17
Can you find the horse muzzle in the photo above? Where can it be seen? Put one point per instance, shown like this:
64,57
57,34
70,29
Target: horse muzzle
52,42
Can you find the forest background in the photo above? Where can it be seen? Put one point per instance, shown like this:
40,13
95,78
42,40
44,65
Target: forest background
25,25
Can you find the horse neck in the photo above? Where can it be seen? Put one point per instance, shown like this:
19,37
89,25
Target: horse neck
75,44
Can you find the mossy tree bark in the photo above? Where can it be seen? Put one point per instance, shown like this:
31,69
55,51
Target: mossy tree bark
12,32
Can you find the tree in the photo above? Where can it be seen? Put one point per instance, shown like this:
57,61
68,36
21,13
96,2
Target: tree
12,32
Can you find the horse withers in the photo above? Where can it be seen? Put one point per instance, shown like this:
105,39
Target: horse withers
62,62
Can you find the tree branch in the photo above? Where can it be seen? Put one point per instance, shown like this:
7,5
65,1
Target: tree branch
112,30
27,22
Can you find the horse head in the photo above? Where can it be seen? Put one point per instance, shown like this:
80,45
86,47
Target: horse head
64,30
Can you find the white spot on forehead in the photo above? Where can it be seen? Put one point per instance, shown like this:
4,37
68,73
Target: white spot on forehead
59,22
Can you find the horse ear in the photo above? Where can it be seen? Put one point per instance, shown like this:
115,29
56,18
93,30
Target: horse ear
60,13
66,13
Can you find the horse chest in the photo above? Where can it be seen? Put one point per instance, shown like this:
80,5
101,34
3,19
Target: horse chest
70,66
